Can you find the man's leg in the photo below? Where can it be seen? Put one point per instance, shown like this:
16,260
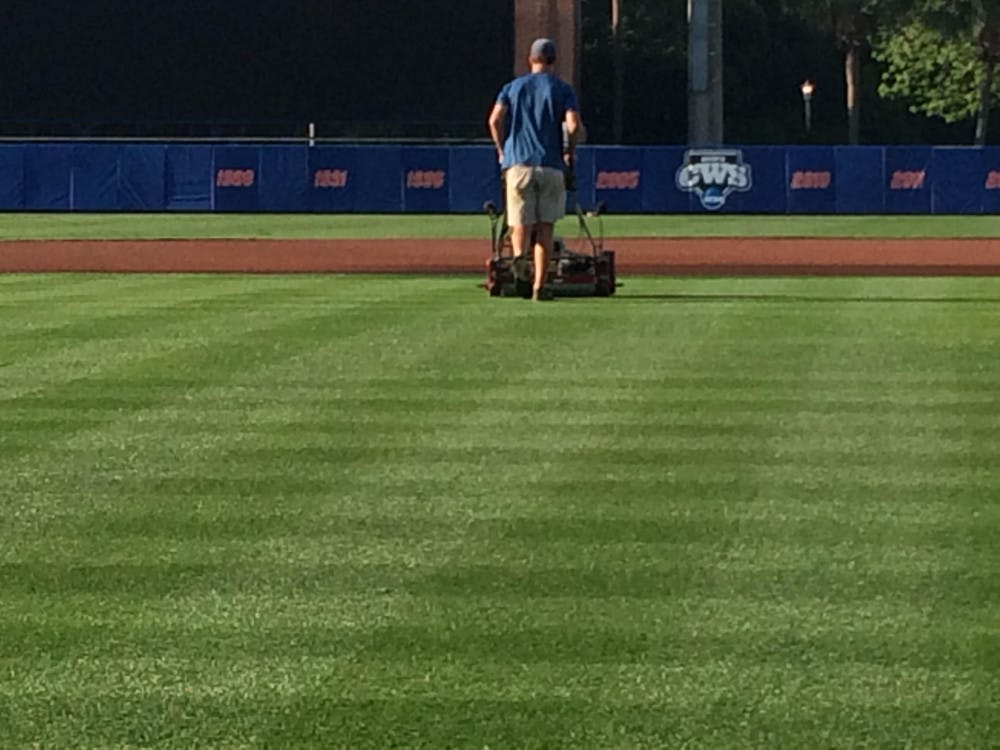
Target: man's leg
544,233
520,239
520,209
551,208
520,212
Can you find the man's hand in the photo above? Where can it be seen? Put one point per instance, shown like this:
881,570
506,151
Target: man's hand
569,173
573,127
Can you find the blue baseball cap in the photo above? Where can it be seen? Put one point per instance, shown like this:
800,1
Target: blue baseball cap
543,49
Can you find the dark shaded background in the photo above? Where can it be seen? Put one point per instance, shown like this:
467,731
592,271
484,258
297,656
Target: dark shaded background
400,63
421,69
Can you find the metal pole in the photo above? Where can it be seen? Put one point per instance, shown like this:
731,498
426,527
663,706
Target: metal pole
705,103
715,71
618,63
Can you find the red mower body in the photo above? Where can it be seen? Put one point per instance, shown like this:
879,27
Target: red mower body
570,274
590,273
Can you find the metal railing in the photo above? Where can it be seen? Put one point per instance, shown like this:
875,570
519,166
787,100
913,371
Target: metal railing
263,131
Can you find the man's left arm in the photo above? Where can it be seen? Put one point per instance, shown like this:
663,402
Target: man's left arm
573,131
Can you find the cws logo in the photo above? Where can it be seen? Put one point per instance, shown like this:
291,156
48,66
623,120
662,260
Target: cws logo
712,174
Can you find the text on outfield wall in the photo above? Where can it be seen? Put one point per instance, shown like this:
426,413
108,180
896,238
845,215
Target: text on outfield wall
617,180
235,178
805,180
907,180
428,179
330,178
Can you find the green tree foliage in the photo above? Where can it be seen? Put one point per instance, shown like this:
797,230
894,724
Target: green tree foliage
771,46
942,60
938,75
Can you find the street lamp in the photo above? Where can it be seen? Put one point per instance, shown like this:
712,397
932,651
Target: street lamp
807,88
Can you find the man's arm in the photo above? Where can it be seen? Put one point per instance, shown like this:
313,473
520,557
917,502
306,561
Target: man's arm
498,128
574,129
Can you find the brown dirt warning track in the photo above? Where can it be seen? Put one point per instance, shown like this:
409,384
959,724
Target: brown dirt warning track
701,256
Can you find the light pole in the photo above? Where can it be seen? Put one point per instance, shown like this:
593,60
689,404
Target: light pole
807,88
618,64
705,68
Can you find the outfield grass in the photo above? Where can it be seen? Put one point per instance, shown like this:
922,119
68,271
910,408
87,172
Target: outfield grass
360,512
350,226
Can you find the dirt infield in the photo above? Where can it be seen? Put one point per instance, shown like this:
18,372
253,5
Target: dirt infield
713,256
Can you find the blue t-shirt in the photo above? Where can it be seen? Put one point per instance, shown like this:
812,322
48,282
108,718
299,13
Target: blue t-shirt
536,107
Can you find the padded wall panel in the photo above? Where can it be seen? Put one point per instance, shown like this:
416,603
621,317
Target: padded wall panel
859,174
991,180
47,176
474,178
188,183
959,180
332,175
809,180
11,178
284,178
619,179
426,179
142,178
908,178
660,193
94,183
236,178
379,183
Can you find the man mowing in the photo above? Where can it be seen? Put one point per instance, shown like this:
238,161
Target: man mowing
527,125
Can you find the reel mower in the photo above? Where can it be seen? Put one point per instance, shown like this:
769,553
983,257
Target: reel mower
590,273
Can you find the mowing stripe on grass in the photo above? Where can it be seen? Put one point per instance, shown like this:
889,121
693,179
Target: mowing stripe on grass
15,226
366,512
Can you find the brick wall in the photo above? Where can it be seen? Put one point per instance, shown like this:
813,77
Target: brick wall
556,19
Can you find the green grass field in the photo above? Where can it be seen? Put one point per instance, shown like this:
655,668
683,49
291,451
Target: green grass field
372,512
310,226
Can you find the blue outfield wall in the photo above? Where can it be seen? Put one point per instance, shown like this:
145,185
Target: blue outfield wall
443,179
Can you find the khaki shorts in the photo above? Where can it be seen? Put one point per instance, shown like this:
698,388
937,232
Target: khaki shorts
534,194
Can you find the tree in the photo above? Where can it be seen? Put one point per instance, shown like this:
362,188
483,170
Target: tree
651,39
852,23
943,60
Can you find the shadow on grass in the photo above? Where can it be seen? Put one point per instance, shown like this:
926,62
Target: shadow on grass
675,297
